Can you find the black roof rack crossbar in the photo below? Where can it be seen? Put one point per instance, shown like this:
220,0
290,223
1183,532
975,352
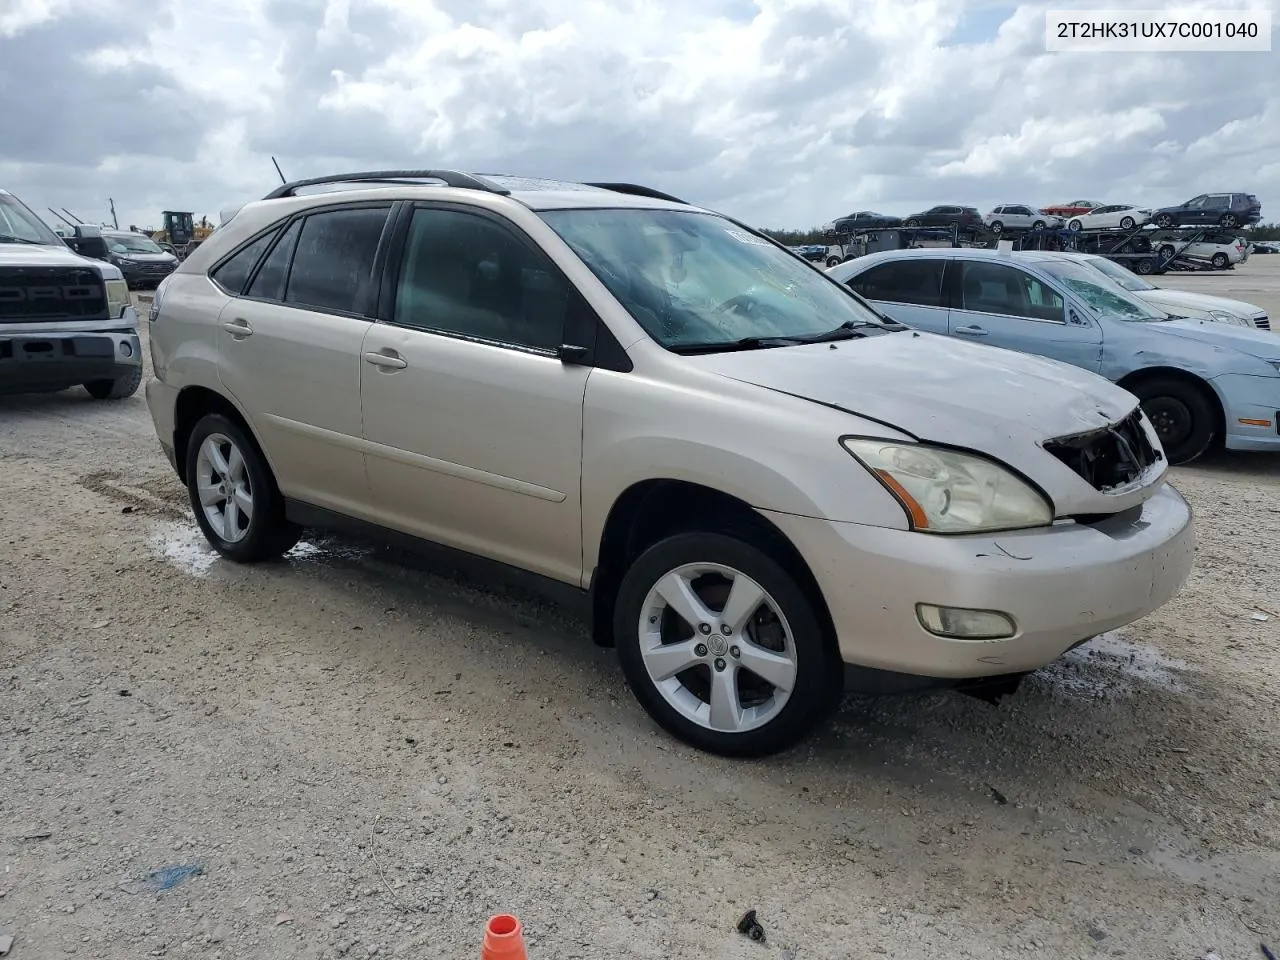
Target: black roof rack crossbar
451,178
636,190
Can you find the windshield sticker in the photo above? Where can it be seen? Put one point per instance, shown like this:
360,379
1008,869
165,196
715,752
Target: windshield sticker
747,238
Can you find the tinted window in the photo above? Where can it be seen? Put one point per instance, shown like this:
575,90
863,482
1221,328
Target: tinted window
917,281
468,275
998,288
333,264
269,283
233,273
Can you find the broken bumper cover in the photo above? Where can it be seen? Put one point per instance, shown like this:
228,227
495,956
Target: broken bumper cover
1061,585
37,362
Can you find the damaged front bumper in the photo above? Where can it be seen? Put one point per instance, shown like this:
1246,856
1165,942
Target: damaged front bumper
1060,585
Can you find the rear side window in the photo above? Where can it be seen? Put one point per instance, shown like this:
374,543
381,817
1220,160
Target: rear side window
232,274
915,281
333,263
269,283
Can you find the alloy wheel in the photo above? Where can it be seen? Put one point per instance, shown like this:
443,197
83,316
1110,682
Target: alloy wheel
224,487
717,647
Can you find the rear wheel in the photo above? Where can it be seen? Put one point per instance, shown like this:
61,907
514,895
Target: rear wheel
833,261
723,647
1182,414
1145,266
1229,220
234,495
116,389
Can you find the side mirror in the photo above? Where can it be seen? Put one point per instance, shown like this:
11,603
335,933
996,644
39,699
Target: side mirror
571,353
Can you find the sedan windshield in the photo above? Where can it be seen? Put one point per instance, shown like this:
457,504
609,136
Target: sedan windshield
695,281
1103,294
132,243
1126,278
20,225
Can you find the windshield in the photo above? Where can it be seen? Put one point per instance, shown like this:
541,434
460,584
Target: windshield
20,225
696,280
1126,278
1102,293
132,243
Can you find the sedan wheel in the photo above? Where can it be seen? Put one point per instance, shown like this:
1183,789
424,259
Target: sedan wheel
1164,221
913,223
722,647
1127,223
1075,226
1220,260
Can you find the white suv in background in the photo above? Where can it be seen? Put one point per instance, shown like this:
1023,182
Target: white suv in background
1020,216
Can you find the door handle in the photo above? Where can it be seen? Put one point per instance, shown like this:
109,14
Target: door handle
973,330
238,328
388,361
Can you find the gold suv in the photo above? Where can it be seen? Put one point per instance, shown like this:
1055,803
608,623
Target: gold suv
765,489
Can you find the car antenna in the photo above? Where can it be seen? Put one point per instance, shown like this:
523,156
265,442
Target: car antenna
278,170
72,215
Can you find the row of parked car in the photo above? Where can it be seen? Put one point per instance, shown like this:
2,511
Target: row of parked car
1228,210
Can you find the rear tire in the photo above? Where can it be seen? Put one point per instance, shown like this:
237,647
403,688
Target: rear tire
1182,414
834,261
116,389
1146,267
225,466
1229,220
715,700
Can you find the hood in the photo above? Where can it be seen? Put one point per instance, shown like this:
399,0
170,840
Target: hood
997,402
1256,343
48,255
1165,297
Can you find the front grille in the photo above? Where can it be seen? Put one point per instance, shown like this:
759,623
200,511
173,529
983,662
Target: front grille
1109,457
48,294
1261,322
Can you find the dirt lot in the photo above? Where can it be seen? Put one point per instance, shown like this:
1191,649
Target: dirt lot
366,757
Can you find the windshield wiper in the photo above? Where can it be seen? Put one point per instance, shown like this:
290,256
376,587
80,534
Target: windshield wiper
849,330
9,238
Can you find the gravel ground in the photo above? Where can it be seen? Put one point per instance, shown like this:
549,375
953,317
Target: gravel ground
360,755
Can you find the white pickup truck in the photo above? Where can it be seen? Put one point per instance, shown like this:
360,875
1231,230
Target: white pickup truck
66,320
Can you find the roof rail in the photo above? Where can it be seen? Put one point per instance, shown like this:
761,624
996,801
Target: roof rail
451,178
636,190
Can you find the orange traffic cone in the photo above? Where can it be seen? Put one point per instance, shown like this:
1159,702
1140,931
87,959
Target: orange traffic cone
503,939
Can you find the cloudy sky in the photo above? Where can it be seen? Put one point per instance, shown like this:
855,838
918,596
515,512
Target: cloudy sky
782,112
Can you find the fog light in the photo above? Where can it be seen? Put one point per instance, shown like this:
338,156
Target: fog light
957,623
126,348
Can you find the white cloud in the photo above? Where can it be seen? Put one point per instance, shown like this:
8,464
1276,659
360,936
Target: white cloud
783,112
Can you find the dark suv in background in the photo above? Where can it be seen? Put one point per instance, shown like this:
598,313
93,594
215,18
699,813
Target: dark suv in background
966,218
140,259
1221,209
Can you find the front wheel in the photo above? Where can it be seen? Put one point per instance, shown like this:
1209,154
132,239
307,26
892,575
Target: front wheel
996,227
116,389
1038,225
1146,266
1229,220
913,223
1075,226
234,495
1182,415
833,261
723,648
1220,261
1164,221
1127,223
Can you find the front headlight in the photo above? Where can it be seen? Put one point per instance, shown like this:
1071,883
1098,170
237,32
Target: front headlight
945,491
117,298
1221,316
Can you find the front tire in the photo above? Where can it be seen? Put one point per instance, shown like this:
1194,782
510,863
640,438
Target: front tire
1220,260
116,389
1038,225
1127,223
834,261
996,227
912,223
1182,414
1164,221
1075,226
1229,220
234,495
723,648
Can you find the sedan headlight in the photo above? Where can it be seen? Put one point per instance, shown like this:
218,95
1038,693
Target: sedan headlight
1221,316
945,491
117,298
